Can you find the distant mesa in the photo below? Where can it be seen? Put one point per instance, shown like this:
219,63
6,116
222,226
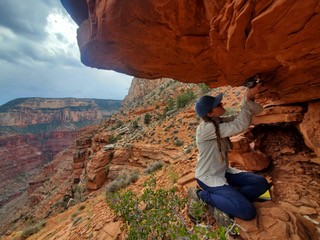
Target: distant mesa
23,112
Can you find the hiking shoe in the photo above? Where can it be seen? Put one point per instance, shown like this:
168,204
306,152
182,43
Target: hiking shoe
195,206
193,194
222,218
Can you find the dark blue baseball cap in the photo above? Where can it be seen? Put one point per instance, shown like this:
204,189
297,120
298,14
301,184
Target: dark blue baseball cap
206,103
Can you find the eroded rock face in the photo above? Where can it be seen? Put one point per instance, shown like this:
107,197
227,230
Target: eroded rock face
22,156
242,155
215,42
139,89
310,127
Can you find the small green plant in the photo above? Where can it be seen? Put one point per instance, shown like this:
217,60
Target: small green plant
113,139
175,131
135,124
123,180
147,118
118,123
77,193
76,220
81,207
178,143
154,167
74,215
204,88
188,149
150,216
169,106
33,229
184,98
107,168
173,176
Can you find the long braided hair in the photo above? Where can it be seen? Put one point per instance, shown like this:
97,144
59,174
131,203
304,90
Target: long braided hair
206,118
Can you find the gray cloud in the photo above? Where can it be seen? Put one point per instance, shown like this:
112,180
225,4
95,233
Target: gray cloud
26,18
31,68
27,21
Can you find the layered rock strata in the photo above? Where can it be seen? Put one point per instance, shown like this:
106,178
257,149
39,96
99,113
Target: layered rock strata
29,111
22,157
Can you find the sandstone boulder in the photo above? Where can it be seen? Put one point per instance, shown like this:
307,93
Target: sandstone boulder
97,169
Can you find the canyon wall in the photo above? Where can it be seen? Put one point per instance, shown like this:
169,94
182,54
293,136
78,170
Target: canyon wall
23,156
34,130
139,88
28,111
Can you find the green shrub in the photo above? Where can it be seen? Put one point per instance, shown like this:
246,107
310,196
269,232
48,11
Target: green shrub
33,229
76,220
118,123
173,176
135,124
147,118
199,209
169,106
123,180
155,218
77,193
154,167
178,143
81,207
156,214
113,139
74,215
204,88
183,99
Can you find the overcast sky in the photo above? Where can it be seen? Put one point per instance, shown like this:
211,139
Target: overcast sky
39,56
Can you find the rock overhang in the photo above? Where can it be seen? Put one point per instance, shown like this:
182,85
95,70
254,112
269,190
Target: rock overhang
217,43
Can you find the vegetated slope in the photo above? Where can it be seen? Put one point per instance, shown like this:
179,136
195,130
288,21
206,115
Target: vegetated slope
33,132
170,127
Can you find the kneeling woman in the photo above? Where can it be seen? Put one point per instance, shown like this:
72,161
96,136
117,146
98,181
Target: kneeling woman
224,188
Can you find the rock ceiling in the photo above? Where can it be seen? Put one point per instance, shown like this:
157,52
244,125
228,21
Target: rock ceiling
218,42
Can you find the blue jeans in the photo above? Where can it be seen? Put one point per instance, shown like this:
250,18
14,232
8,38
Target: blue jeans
237,197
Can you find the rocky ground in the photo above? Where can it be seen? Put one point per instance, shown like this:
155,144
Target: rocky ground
293,212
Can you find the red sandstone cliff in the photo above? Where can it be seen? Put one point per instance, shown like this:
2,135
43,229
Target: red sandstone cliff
23,156
213,42
139,89
33,131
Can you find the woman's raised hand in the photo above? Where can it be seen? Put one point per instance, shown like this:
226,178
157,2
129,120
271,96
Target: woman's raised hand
252,92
